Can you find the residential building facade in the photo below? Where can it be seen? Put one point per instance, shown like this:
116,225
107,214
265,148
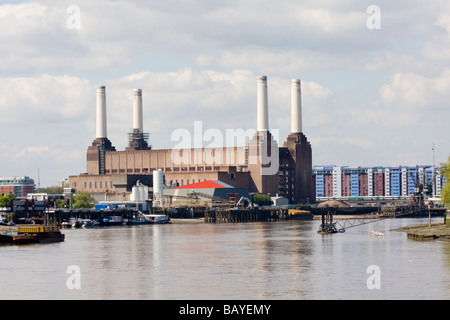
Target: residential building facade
19,186
372,182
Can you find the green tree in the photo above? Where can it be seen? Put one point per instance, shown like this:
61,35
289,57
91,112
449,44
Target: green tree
445,192
5,200
262,199
83,199
51,190
60,203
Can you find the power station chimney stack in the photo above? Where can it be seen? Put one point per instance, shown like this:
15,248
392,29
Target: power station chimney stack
137,139
299,157
263,109
138,122
101,113
101,144
296,107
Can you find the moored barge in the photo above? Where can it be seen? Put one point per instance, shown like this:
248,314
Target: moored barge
42,234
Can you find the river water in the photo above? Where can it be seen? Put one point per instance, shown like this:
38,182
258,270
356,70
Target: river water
272,260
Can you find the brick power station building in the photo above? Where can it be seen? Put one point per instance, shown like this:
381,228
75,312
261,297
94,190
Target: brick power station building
261,167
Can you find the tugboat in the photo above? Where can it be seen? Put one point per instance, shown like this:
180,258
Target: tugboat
44,234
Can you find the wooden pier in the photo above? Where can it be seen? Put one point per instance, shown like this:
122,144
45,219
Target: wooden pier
219,215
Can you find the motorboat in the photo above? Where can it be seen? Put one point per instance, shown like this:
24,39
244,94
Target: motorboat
90,223
77,224
112,221
138,220
157,218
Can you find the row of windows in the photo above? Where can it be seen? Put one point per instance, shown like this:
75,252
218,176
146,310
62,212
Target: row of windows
100,185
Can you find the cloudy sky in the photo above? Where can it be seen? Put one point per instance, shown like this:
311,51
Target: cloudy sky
375,84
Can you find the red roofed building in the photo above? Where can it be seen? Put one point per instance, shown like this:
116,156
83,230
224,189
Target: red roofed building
210,184
203,193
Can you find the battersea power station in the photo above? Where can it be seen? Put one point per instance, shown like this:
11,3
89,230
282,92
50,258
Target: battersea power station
261,166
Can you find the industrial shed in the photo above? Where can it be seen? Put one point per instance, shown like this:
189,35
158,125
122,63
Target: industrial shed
210,192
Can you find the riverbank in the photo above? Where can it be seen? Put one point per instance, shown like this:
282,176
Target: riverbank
424,232
187,220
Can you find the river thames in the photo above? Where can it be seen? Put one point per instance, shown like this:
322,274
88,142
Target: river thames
271,260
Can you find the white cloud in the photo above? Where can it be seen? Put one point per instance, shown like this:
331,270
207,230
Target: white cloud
365,92
42,100
412,92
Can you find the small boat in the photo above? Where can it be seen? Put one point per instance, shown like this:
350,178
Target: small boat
111,221
157,218
77,224
90,223
72,223
137,221
66,225
376,234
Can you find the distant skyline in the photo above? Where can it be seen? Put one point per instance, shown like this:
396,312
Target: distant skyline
370,96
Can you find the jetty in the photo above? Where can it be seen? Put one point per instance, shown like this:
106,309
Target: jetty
225,215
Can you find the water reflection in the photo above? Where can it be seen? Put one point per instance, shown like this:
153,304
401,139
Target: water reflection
285,260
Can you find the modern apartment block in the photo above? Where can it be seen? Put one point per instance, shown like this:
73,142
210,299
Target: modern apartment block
19,186
371,182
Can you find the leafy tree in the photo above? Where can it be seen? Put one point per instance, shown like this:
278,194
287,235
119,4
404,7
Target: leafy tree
83,199
51,190
5,201
262,199
445,192
60,203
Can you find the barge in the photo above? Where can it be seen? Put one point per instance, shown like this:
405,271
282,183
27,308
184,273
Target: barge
43,234
6,238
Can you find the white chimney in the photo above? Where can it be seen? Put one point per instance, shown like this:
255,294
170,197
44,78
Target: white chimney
296,107
138,122
263,109
101,112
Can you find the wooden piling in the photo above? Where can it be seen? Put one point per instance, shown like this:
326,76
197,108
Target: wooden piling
221,215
